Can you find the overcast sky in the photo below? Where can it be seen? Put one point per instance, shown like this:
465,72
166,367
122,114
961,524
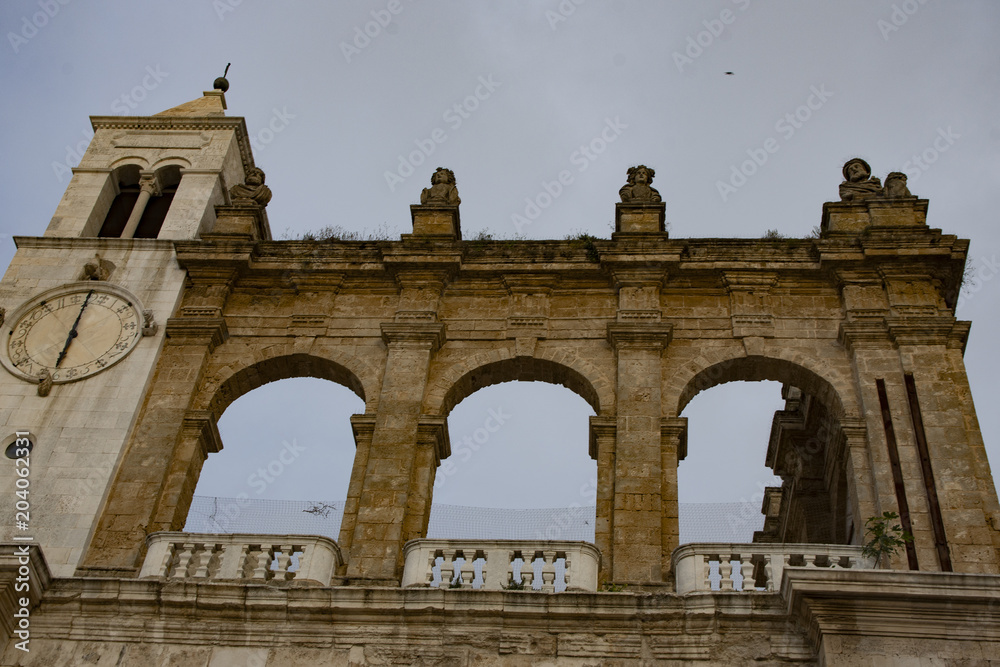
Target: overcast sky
344,124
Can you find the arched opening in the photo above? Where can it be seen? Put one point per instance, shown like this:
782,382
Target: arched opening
288,451
520,467
722,482
774,417
127,179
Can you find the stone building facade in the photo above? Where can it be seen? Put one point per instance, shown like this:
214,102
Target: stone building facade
156,297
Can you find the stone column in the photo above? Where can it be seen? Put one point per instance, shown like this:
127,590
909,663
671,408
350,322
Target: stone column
390,502
673,450
147,188
637,540
861,486
602,449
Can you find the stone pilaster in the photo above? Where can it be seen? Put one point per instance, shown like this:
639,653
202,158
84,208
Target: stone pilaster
602,449
673,450
397,470
637,540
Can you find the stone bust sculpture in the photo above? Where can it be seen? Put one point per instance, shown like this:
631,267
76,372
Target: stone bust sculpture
895,185
442,190
638,190
858,182
252,190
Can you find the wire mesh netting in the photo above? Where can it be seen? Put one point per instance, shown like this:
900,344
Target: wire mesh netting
699,522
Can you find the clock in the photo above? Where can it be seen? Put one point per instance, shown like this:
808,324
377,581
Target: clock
71,332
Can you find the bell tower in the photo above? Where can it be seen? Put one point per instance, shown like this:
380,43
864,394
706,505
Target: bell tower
83,307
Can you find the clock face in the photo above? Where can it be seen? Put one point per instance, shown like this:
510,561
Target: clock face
72,332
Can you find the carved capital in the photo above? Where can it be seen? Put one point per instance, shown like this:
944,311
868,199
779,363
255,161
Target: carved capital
363,427
603,431
201,425
414,334
673,432
641,335
866,333
929,331
209,331
433,432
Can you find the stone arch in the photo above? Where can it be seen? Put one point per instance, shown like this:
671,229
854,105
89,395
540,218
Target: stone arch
171,161
790,366
228,383
463,378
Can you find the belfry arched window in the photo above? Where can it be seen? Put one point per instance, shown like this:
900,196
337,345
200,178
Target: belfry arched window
142,202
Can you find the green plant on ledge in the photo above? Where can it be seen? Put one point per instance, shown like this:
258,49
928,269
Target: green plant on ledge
515,586
887,537
614,588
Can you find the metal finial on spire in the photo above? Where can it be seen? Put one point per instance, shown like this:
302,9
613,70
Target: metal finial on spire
222,83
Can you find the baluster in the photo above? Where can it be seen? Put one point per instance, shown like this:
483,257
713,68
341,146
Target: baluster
566,571
511,557
746,569
706,566
468,570
183,560
200,560
257,563
448,567
726,571
809,560
548,571
432,557
166,567
528,572
768,574
283,555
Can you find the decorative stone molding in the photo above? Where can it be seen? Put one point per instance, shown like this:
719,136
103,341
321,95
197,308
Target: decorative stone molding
210,331
674,430
864,334
202,426
414,334
433,431
642,335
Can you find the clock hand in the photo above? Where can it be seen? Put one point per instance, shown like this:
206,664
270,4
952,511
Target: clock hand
73,332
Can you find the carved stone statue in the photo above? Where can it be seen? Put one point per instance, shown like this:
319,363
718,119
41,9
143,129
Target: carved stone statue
638,190
97,269
895,185
252,190
149,326
858,183
442,190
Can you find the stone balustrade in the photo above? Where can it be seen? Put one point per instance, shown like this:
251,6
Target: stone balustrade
251,558
755,567
546,566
